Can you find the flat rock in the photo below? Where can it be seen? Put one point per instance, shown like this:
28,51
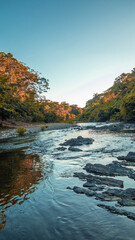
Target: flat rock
124,197
88,184
61,148
127,163
77,141
112,169
127,193
118,211
106,197
130,157
79,190
127,202
83,191
110,127
74,149
93,186
99,180
97,188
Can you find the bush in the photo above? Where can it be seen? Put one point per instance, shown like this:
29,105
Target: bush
1,126
21,131
69,121
43,128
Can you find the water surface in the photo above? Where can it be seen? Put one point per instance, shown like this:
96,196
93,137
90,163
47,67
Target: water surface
34,200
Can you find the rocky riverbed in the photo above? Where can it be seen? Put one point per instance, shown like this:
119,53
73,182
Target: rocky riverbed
71,183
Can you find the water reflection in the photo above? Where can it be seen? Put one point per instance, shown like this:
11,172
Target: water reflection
19,176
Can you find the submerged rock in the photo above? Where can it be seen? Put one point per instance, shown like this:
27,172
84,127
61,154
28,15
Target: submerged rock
118,211
77,141
69,188
93,186
61,148
83,191
130,157
73,149
99,180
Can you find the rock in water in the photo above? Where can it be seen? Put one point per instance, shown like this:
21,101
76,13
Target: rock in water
78,141
73,149
127,202
124,197
130,157
61,148
93,186
112,169
99,180
118,211
83,191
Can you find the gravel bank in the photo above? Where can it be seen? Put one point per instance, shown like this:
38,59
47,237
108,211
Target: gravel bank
9,133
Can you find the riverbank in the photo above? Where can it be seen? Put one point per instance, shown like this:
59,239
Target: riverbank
11,132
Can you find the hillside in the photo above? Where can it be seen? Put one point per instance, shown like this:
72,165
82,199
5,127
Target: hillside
115,104
22,95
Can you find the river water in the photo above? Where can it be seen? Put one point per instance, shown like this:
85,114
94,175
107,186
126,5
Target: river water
35,203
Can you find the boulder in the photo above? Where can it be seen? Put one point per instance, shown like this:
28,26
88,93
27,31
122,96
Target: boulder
77,141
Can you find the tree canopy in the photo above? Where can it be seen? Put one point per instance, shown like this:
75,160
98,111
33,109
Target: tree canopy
115,104
22,95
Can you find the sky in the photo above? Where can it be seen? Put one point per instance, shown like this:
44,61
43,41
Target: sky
81,46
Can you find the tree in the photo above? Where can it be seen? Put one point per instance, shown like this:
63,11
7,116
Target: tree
19,86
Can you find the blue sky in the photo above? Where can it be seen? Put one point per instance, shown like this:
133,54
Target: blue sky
79,45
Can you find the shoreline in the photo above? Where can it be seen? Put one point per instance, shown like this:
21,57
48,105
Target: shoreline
31,129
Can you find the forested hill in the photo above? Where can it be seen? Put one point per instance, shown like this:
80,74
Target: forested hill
22,95
115,104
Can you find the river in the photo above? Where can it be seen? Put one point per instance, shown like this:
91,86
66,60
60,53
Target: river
35,203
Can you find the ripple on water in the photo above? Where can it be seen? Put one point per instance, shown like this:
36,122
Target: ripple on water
34,201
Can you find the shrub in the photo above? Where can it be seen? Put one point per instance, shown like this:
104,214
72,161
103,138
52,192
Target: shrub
1,126
21,131
43,128
70,121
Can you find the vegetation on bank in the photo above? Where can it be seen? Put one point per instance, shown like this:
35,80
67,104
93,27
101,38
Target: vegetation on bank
22,95
43,128
22,98
21,131
115,104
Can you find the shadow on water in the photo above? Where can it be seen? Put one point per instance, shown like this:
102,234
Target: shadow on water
19,176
